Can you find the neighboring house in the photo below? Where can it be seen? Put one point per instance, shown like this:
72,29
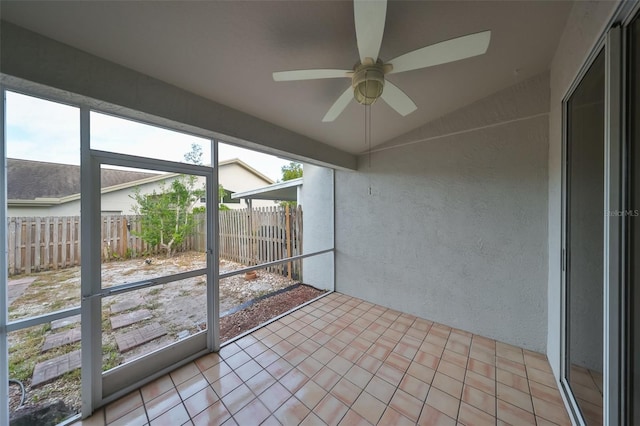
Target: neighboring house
50,189
236,176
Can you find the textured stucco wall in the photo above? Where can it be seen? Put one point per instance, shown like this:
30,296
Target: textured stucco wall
585,24
455,228
318,271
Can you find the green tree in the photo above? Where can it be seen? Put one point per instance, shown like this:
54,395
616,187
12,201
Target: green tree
291,171
166,216
221,194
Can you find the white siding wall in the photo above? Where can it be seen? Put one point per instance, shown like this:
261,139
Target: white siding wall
236,178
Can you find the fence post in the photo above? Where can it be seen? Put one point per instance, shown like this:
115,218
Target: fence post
288,236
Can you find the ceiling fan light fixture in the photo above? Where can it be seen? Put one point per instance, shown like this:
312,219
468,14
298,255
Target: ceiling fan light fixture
368,83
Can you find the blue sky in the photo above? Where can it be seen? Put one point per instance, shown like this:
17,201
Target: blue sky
46,131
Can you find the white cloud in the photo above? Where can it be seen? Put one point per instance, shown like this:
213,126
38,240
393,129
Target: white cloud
47,131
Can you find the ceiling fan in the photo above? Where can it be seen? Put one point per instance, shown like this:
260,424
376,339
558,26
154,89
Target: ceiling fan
368,75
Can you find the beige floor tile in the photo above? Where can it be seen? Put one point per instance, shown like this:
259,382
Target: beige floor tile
482,368
238,398
156,388
480,400
455,358
513,380
163,403
291,412
511,366
381,389
330,410
191,386
472,416
431,416
546,393
237,359
447,384
294,380
253,413
326,378
414,387
279,368
427,359
421,372
184,373
340,365
175,416
550,411
451,370
369,363
311,420
346,392
515,397
398,361
392,417
260,382
213,415
275,396
200,401
226,384
406,404
541,377
390,374
124,405
310,366
353,419
358,376
344,361
310,394
137,417
537,360
443,402
514,415
369,407
216,372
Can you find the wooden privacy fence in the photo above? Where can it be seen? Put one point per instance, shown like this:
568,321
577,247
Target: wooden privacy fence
249,237
262,235
47,243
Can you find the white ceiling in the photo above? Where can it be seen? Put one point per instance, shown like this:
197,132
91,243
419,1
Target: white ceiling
227,50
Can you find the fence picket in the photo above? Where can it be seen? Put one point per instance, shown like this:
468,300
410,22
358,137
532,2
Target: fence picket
249,237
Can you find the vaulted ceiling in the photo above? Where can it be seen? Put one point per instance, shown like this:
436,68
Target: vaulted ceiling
226,51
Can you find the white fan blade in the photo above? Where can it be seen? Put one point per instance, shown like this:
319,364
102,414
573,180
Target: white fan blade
397,99
310,74
369,17
443,52
339,105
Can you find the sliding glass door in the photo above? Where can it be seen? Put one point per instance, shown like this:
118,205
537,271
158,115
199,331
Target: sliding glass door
633,309
584,157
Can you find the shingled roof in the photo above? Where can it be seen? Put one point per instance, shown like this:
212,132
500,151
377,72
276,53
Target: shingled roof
28,180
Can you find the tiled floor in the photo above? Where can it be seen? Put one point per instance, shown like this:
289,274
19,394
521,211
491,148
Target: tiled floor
343,361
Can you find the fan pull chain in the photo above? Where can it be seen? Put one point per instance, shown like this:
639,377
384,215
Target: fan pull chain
367,132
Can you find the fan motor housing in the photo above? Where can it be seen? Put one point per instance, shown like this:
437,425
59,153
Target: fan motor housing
368,82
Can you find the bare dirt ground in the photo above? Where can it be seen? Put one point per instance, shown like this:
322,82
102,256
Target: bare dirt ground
179,306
